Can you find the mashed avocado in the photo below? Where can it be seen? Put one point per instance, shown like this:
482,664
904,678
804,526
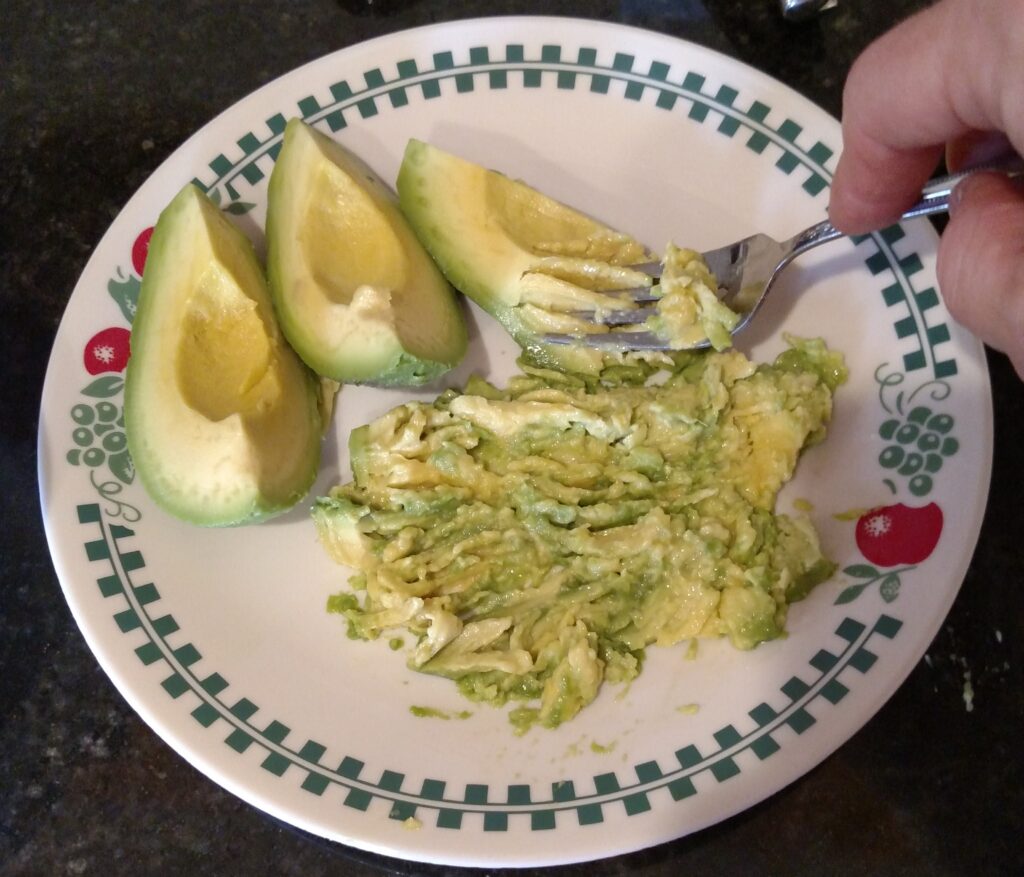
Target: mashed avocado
689,310
536,539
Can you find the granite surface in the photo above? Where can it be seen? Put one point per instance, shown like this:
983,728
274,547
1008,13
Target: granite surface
93,97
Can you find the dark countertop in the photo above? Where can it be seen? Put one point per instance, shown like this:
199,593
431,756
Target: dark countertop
93,97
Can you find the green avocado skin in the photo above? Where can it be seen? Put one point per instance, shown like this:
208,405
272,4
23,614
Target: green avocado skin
171,463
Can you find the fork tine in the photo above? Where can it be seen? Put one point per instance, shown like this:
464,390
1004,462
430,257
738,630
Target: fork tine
616,317
640,294
653,269
722,260
613,340
630,319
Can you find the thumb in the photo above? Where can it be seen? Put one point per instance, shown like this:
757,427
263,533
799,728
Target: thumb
981,262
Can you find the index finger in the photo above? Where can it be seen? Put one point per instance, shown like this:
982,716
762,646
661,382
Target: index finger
947,71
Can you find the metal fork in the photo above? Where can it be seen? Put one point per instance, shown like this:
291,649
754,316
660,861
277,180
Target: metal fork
746,272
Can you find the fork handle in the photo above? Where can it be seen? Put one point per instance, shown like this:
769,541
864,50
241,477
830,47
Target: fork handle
936,194
935,197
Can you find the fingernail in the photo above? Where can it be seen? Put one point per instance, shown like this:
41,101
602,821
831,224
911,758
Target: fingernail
956,199
964,188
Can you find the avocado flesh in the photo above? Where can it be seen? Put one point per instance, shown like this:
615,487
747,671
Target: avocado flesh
357,296
221,416
689,310
537,539
525,258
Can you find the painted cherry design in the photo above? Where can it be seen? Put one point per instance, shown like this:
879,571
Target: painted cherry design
140,250
107,351
895,534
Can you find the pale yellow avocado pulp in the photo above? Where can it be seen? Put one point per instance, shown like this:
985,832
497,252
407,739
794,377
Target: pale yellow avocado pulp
346,240
219,319
536,539
358,297
222,417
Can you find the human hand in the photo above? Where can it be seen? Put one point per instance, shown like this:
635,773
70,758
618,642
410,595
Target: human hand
949,79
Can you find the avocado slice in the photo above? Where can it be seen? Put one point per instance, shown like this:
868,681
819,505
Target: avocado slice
527,259
358,297
221,416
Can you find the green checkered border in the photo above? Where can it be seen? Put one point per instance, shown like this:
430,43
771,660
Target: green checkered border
213,704
346,102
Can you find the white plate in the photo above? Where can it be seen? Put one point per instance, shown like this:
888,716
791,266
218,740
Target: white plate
219,638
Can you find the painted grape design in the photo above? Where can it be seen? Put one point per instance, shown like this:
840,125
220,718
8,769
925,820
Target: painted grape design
919,444
99,439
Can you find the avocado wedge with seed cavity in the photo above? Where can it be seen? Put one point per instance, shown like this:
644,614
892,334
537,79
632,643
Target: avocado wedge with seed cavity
222,417
358,297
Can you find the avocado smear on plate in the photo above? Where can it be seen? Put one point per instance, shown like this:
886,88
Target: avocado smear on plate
536,539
